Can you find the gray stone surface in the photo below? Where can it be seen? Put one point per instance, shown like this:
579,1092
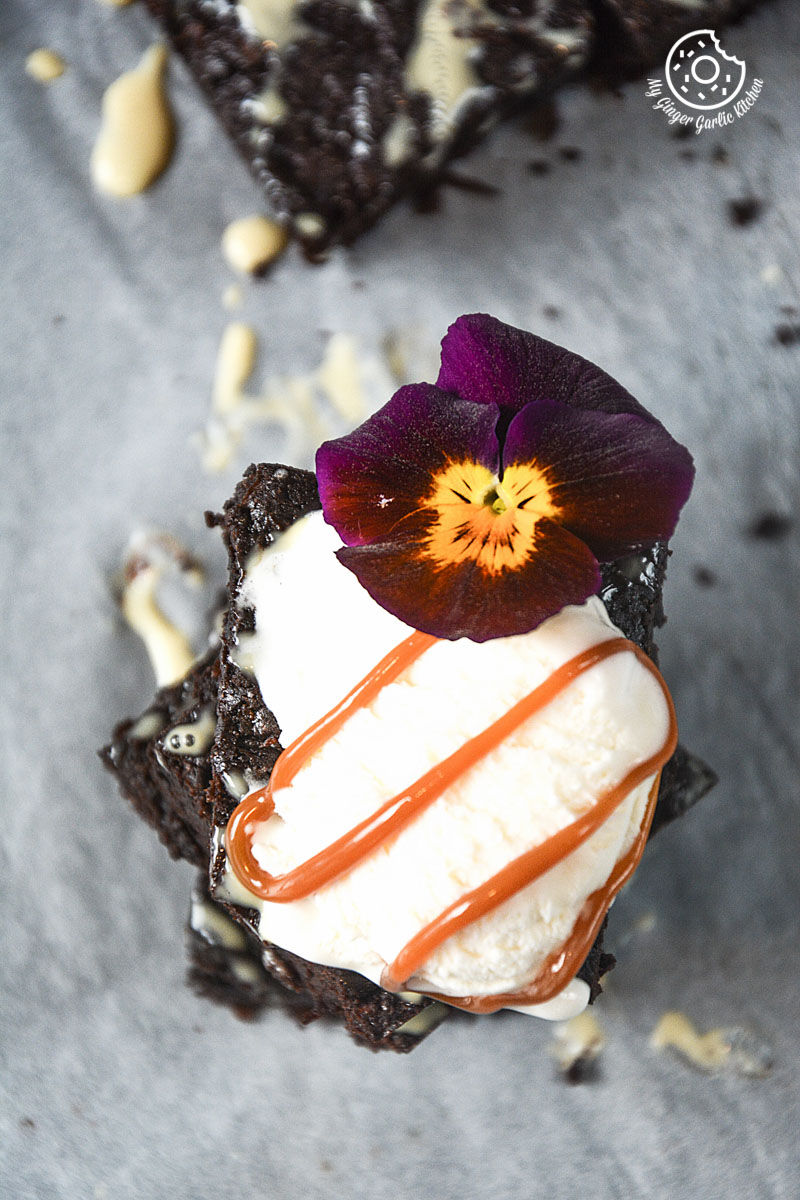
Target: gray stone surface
116,1081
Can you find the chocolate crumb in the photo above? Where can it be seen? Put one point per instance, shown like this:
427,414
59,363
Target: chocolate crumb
770,527
245,1012
552,312
468,183
27,1123
787,333
584,1070
543,122
720,156
682,132
539,166
688,155
704,577
570,153
745,210
427,200
789,310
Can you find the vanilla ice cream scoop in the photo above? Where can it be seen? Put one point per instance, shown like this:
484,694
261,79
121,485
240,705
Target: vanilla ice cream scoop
550,816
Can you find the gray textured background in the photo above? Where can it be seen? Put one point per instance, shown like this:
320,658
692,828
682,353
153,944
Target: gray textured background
117,1082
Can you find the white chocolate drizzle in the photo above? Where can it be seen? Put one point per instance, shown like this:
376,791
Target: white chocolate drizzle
397,144
441,65
273,21
340,377
268,107
310,225
235,784
425,1020
136,135
232,297
236,359
148,725
44,65
307,408
214,925
578,1042
147,560
252,243
732,1048
192,738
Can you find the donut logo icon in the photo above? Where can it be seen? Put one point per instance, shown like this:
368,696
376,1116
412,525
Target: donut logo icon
700,74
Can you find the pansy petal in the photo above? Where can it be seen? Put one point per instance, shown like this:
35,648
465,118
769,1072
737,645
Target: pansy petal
463,600
490,362
373,479
616,481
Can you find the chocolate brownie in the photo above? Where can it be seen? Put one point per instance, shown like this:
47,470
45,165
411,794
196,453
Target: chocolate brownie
341,106
229,964
189,797
170,791
634,35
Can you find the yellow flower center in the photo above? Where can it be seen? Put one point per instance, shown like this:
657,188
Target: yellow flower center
489,521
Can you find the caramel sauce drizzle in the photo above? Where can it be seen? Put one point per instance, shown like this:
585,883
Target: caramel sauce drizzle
561,966
344,853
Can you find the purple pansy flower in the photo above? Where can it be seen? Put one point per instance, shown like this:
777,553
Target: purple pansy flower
483,505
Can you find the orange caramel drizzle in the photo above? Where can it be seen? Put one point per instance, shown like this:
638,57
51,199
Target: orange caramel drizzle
561,966
344,853
357,842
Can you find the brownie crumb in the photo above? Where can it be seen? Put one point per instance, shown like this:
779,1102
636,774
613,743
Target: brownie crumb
468,183
27,1123
539,166
544,121
705,577
787,333
426,200
720,156
745,210
570,153
552,312
243,1012
584,1070
770,527
682,132
688,155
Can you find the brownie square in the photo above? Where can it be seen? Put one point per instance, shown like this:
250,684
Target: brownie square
342,107
189,799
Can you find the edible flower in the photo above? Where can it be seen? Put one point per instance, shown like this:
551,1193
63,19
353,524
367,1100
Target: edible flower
482,505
